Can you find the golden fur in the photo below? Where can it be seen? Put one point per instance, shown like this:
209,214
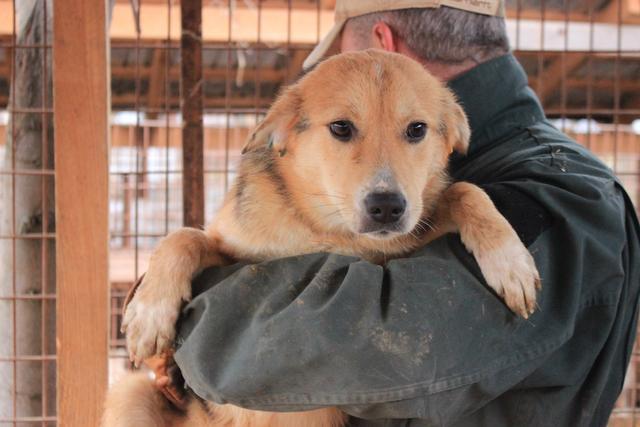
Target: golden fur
301,190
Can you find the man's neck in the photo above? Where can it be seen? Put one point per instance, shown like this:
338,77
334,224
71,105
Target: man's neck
444,72
447,72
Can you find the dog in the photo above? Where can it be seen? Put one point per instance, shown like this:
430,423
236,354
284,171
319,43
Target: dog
350,159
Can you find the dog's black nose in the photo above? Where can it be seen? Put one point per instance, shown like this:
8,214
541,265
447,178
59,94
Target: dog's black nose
385,208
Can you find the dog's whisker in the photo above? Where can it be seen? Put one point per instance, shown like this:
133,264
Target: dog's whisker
414,234
428,223
331,215
419,228
327,205
337,195
325,195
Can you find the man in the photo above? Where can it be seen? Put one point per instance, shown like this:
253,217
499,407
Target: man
354,341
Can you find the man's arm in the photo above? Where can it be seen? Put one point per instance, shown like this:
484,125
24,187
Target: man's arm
421,338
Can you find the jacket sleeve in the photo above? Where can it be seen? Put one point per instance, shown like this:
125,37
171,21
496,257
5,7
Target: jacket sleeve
422,337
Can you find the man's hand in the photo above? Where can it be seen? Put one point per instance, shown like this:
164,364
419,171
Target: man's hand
168,379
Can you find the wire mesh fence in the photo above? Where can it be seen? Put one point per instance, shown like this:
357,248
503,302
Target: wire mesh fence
582,58
27,223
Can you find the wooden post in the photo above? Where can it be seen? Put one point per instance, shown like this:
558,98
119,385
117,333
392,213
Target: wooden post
81,105
192,134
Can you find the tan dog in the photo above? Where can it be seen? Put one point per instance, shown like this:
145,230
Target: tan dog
351,159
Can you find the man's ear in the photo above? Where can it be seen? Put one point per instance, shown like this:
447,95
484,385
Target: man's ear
382,37
282,119
454,126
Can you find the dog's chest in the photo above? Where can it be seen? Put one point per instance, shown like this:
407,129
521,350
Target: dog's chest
263,240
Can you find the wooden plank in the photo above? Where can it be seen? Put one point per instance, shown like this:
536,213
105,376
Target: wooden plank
633,101
609,85
209,103
157,78
265,4
191,84
553,75
294,70
266,74
625,85
81,102
6,16
561,16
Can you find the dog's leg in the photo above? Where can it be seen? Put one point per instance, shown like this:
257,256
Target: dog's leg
506,264
234,416
150,317
134,402
327,417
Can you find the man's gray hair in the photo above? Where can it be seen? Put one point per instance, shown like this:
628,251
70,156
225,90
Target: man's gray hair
443,34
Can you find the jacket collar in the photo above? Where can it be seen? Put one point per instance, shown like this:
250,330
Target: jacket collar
497,100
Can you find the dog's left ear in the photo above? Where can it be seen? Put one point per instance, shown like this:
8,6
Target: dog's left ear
276,128
454,126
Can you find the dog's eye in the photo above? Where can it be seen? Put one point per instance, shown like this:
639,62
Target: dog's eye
416,132
342,130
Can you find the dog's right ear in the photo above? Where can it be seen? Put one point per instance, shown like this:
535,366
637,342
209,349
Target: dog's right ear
282,118
454,125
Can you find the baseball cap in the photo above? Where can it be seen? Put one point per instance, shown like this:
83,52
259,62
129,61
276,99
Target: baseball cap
346,9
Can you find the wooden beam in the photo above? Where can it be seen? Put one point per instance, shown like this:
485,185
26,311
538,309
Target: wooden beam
157,78
5,69
616,11
610,14
235,102
209,103
561,16
191,105
6,17
265,4
328,4
295,64
624,85
583,83
632,102
209,74
81,103
266,75
551,81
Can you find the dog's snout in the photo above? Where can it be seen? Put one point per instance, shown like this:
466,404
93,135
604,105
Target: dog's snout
385,208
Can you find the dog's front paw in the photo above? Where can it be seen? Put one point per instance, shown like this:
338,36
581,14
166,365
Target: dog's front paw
149,321
511,271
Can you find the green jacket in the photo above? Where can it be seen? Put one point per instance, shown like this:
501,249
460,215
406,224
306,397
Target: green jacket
423,342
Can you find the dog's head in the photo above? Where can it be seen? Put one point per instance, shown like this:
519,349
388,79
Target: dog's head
362,139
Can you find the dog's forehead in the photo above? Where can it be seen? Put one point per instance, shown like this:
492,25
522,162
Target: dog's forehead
361,69
357,86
